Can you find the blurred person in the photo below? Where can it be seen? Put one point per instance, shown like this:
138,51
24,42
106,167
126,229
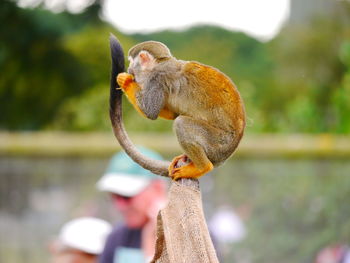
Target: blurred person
80,240
138,195
339,253
227,226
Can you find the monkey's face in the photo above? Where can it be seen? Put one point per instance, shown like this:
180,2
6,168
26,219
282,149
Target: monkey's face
141,65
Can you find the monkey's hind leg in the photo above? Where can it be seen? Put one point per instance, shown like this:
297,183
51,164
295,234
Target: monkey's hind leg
202,145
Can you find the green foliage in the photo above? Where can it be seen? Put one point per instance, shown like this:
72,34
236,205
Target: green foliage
90,109
341,97
91,47
37,73
309,75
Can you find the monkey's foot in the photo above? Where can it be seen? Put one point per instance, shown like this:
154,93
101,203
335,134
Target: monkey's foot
124,80
178,161
189,170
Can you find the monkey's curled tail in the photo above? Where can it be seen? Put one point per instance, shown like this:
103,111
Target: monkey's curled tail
115,113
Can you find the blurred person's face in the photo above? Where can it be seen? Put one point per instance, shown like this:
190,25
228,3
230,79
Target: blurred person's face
138,209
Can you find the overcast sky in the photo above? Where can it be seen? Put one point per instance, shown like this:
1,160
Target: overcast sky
259,18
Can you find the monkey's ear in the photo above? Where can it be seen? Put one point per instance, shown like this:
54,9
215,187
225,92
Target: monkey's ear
146,59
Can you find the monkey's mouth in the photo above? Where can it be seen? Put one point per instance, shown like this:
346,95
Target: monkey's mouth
131,71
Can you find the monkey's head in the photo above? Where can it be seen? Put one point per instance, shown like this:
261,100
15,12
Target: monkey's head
145,56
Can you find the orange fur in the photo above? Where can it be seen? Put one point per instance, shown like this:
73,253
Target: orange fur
205,104
213,84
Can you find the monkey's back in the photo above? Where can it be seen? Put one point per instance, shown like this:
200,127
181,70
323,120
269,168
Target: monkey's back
215,97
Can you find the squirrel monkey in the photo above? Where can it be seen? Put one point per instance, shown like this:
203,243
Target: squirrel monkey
208,112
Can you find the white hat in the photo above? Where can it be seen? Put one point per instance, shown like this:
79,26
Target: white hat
125,177
87,234
122,184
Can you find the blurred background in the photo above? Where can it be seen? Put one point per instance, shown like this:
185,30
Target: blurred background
289,181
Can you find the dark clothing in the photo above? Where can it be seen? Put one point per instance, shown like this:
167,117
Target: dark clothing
123,245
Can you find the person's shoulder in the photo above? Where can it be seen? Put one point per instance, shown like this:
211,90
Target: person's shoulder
124,236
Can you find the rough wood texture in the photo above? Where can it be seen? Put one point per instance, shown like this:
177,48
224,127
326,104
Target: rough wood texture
182,232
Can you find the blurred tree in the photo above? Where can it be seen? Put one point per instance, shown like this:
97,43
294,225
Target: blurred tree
308,74
38,73
341,97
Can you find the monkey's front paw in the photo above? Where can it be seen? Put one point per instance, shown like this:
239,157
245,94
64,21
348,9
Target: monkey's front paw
124,80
